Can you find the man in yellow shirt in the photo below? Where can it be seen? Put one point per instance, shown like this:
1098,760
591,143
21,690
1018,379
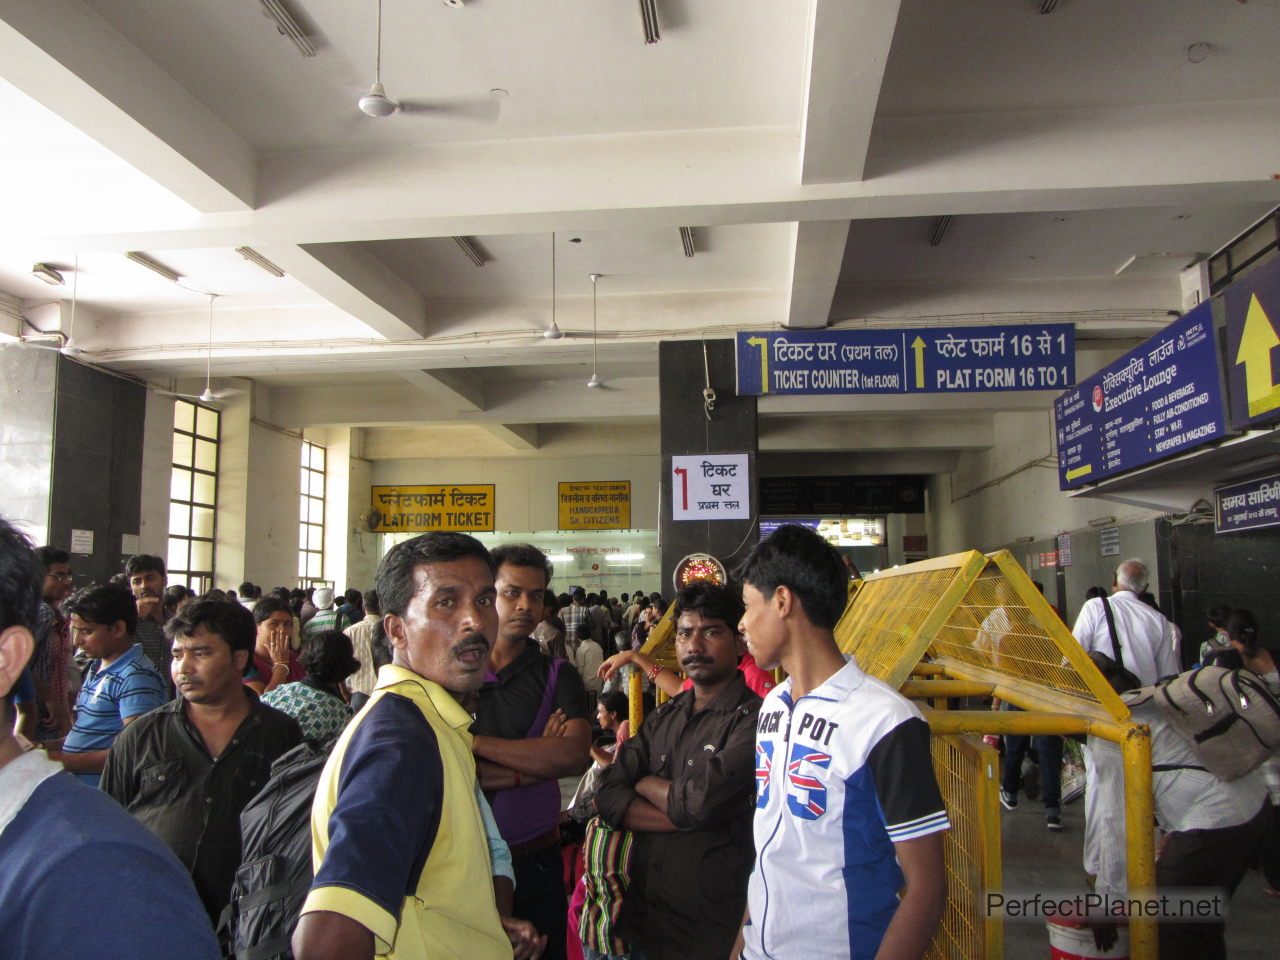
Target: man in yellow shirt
398,843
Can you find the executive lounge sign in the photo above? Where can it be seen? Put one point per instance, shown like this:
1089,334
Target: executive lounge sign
1162,398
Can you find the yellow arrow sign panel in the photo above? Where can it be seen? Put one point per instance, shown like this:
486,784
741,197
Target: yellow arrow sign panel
1256,343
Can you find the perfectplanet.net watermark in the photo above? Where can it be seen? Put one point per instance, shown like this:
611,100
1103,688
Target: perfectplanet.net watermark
1185,905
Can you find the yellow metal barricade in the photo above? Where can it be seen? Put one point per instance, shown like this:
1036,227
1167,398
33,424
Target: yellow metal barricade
975,625
968,772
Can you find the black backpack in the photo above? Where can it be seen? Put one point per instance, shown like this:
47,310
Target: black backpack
275,866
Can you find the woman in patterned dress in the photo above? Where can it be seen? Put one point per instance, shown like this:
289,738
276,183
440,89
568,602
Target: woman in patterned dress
320,702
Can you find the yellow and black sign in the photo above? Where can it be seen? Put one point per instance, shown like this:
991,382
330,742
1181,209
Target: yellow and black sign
467,507
595,505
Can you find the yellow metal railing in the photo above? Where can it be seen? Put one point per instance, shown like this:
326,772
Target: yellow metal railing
968,772
971,625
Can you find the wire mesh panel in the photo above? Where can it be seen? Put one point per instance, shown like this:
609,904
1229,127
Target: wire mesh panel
980,618
893,615
968,775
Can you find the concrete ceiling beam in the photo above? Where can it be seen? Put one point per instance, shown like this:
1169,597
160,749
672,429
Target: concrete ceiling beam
65,56
518,436
817,254
458,389
922,166
353,279
848,49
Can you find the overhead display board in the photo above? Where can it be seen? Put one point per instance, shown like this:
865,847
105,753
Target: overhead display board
1247,506
1252,306
1159,399
916,360
423,509
842,496
595,505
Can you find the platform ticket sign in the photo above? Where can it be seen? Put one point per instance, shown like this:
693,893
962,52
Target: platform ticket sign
1159,399
916,360
1247,506
713,486
423,509
595,505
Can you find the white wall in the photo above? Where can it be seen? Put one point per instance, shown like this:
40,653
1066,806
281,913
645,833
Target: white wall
1010,491
270,534
157,470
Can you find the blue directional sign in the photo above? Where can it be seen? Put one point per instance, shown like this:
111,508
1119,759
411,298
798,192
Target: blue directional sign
1253,310
1247,506
1159,399
918,360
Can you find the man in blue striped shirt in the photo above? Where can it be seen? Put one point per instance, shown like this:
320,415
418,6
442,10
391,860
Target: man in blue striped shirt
122,683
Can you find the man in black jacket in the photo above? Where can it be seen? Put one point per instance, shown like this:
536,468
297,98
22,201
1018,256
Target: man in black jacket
684,785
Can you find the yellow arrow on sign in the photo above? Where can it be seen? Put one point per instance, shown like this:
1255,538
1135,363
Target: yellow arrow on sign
1256,341
918,346
763,344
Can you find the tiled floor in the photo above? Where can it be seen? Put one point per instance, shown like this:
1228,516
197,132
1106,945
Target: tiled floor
1036,859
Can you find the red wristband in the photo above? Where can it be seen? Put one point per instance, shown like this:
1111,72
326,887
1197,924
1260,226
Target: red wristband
518,778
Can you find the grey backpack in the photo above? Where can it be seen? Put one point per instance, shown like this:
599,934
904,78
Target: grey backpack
1229,717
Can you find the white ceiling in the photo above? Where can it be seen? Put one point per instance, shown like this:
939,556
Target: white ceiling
811,144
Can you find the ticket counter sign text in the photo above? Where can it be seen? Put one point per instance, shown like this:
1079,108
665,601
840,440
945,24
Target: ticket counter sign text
716,486
595,505
423,509
977,359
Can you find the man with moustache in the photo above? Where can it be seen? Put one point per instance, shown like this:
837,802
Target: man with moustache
684,785
402,867
519,767
188,768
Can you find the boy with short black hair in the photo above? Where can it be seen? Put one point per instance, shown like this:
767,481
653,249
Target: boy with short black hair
121,685
848,812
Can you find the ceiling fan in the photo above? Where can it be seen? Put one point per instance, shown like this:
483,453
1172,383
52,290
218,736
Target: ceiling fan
376,103
208,395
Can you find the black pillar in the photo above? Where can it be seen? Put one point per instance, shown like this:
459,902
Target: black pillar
685,431
97,466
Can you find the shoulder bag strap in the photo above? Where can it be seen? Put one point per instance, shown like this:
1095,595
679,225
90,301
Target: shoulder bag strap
1116,655
548,696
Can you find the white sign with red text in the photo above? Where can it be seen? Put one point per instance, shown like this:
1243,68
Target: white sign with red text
714,486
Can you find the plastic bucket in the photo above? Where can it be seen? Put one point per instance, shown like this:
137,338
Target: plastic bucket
1070,942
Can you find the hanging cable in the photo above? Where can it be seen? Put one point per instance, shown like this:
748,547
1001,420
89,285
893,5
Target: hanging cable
708,395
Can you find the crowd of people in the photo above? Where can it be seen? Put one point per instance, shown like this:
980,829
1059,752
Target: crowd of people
447,704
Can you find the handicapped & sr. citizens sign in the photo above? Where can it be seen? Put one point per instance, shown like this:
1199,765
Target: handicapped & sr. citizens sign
595,505
467,508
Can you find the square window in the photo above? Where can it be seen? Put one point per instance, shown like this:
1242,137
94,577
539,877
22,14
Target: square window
177,554
184,415
202,522
205,488
201,555
206,456
182,450
180,484
179,520
206,423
